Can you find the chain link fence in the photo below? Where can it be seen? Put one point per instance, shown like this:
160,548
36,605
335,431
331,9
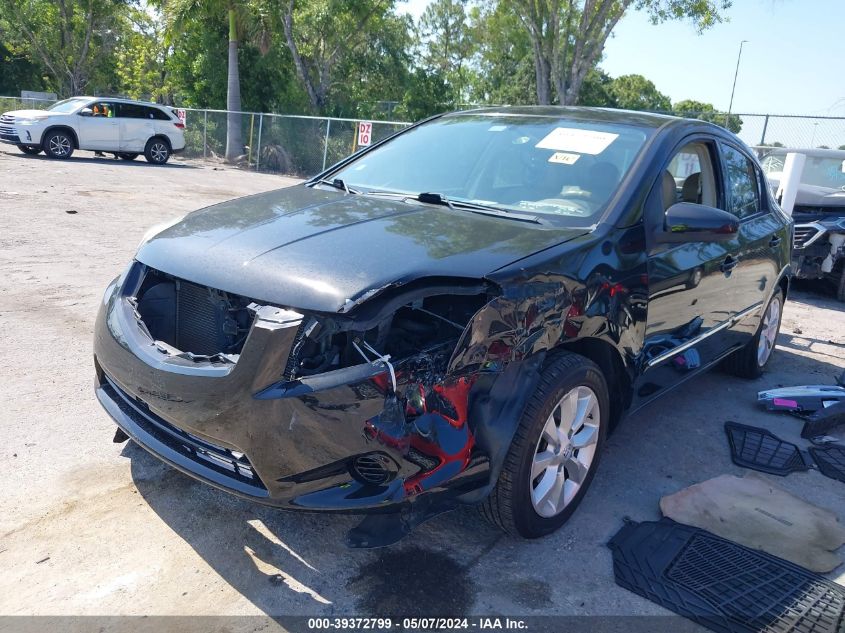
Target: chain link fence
304,145
277,143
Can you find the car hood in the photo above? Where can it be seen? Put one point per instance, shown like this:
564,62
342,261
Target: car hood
318,250
24,114
815,195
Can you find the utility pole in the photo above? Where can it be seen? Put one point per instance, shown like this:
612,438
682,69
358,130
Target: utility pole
733,90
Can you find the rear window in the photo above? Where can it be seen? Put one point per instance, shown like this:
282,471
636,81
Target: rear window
158,114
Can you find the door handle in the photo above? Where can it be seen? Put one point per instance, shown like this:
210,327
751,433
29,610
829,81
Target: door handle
774,242
728,265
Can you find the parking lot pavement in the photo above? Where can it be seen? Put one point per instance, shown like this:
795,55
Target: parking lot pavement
92,527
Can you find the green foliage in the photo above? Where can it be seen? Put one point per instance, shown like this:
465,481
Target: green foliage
357,59
596,90
447,42
706,112
428,94
635,92
17,70
504,67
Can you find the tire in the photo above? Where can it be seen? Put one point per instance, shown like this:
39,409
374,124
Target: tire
157,151
516,504
128,155
840,286
29,149
58,144
750,361
694,278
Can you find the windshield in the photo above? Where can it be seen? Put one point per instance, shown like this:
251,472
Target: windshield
818,171
66,106
536,164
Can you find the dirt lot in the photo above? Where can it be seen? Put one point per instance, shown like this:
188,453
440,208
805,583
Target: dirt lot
92,527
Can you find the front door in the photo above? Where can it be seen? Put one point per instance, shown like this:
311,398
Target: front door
758,271
691,284
101,130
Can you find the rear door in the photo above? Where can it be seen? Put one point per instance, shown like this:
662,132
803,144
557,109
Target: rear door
136,126
691,288
760,242
101,131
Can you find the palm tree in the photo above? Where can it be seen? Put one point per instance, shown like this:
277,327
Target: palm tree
179,11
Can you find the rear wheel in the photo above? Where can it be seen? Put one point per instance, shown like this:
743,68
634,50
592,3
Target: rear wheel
555,450
58,144
128,155
751,360
840,286
29,149
157,151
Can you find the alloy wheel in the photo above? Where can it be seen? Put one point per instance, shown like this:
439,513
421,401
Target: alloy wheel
565,451
159,152
59,145
768,331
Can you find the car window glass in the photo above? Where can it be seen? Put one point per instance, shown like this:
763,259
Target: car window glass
690,177
742,186
104,109
157,114
543,165
132,111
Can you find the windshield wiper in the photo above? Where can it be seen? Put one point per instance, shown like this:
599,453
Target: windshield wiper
337,183
476,207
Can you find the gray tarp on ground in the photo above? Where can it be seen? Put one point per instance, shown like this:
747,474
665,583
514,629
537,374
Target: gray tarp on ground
756,513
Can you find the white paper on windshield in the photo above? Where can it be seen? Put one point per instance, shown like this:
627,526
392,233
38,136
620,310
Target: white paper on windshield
564,158
497,128
570,139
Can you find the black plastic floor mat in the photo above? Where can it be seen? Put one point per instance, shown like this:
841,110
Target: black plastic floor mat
760,449
830,460
722,585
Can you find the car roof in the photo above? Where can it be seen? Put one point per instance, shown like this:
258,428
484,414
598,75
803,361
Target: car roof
121,100
582,113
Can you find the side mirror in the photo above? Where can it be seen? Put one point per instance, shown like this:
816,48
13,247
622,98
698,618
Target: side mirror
86,112
688,222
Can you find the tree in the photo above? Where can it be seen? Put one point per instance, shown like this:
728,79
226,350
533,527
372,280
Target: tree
319,33
596,90
706,112
504,66
140,56
635,92
568,36
67,37
447,43
180,13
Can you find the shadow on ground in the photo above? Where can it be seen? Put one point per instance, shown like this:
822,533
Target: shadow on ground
139,162
296,564
258,550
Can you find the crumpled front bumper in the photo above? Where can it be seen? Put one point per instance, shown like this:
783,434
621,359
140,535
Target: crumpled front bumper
300,444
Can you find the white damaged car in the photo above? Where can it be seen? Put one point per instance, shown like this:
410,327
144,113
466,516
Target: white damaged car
122,127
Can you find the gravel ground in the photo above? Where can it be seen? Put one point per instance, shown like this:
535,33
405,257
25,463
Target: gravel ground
91,527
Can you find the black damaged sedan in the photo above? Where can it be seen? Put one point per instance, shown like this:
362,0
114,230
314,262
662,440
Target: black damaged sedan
457,315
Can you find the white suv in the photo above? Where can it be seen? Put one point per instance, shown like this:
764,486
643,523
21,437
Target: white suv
118,126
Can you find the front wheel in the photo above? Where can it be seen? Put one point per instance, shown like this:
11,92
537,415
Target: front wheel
58,144
840,286
751,360
157,151
555,450
29,149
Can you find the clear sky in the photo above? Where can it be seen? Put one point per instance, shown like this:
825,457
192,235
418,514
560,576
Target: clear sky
793,63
